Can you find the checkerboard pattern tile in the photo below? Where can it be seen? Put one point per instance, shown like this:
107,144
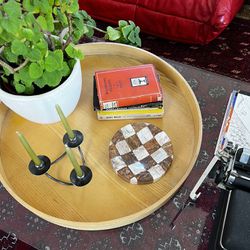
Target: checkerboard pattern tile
140,153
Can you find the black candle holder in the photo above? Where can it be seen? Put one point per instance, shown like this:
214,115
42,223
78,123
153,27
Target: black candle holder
73,143
81,181
74,179
42,168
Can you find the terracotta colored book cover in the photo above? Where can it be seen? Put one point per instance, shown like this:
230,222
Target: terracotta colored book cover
128,86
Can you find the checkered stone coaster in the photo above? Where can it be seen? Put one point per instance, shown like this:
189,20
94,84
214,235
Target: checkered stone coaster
140,153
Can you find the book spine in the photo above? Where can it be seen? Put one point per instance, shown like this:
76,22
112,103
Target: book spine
131,111
130,114
125,117
130,101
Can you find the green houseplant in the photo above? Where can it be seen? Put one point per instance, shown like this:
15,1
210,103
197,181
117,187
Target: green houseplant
37,39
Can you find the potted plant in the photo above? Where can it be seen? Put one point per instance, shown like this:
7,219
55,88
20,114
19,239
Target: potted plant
39,64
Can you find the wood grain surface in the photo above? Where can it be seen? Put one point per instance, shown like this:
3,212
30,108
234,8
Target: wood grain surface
107,201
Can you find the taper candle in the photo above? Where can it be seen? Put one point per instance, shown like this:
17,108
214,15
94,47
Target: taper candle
28,148
74,161
65,122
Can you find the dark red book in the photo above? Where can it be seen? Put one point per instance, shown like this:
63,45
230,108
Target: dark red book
128,86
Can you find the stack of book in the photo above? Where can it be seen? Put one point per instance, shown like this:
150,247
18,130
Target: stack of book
128,93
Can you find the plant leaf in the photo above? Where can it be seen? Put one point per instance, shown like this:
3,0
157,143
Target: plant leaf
71,63
11,25
61,16
132,23
138,41
51,63
18,48
65,69
42,46
44,7
113,34
28,34
126,30
35,71
50,23
29,19
40,82
52,79
29,90
59,57
12,8
73,7
20,88
28,5
11,57
6,71
73,53
79,54
70,50
34,55
122,23
23,76
84,14
6,37
131,36
42,22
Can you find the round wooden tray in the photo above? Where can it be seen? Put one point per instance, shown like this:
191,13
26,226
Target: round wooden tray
107,201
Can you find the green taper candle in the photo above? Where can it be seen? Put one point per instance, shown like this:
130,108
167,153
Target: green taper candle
29,150
74,161
65,122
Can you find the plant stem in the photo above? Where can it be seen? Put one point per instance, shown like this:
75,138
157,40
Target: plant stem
7,66
13,70
94,27
70,24
47,36
21,65
1,49
63,33
70,32
50,41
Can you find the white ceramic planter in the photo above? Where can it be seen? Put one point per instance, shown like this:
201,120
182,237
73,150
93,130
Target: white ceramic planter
41,108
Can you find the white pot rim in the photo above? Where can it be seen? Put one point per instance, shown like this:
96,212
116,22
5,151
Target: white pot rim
51,92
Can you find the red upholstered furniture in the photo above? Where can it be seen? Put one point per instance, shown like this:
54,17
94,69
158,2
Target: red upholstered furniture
191,21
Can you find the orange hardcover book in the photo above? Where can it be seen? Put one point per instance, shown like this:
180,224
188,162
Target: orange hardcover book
128,86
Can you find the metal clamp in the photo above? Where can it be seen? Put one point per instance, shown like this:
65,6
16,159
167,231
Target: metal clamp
194,195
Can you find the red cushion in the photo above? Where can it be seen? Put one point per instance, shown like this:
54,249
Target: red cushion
108,10
189,21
